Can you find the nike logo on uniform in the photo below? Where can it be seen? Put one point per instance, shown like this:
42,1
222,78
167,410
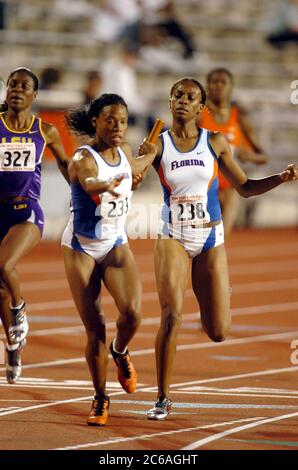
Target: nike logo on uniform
198,153
40,222
32,132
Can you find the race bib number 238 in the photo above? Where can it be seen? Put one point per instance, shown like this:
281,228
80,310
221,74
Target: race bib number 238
187,210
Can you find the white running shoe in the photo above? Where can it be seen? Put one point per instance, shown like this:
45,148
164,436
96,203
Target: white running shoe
161,409
19,328
13,364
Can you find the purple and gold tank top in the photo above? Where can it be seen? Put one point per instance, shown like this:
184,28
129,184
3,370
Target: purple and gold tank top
20,159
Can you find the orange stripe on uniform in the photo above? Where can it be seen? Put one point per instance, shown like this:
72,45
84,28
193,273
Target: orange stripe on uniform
96,199
162,178
215,173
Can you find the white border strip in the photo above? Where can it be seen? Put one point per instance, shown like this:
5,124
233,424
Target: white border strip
216,437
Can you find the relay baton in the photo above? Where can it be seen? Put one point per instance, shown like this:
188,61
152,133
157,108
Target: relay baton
156,130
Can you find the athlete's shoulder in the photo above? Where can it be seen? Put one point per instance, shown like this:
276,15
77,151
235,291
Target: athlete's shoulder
50,131
217,139
82,153
239,108
126,149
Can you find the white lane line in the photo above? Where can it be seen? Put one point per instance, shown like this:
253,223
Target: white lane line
25,409
253,310
239,376
216,437
8,408
253,390
58,362
289,265
183,347
68,303
240,288
239,252
28,385
269,308
55,403
269,250
150,436
266,286
46,405
261,268
29,401
254,395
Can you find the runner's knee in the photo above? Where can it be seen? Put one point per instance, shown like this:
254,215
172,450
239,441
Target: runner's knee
131,315
219,334
171,320
6,269
96,331
4,294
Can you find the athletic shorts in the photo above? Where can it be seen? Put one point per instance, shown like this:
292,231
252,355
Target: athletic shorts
97,249
196,240
16,212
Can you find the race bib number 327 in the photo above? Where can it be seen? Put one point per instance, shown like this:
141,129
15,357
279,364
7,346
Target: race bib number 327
17,157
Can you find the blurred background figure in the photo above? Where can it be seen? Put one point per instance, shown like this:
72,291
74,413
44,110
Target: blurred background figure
283,24
50,78
152,26
158,22
119,76
2,90
112,17
92,87
162,20
221,114
2,14
160,41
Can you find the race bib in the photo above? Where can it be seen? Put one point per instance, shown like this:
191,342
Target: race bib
17,156
188,210
113,210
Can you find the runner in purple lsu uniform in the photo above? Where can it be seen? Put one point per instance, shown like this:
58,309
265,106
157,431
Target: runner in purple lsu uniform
23,138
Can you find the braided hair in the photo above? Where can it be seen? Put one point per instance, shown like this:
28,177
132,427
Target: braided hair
80,120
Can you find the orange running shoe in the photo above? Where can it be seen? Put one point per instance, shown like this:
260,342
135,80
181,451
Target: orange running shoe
98,415
127,375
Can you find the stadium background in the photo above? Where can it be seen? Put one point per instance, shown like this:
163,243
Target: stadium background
239,394
64,35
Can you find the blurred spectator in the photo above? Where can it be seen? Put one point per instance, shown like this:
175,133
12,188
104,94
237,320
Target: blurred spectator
93,86
113,16
50,77
157,23
162,17
2,91
141,23
72,9
2,14
284,23
119,76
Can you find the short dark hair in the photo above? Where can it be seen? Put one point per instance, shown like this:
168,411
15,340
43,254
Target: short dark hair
28,72
220,70
4,106
80,120
196,82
